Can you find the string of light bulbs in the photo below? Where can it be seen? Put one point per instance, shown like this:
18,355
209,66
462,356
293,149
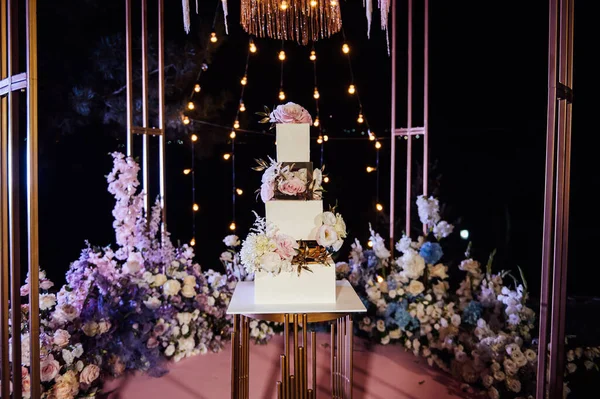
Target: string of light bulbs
317,123
281,57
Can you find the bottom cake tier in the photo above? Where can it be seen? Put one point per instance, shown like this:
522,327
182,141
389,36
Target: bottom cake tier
317,286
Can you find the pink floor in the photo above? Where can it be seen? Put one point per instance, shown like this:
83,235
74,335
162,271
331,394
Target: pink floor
380,372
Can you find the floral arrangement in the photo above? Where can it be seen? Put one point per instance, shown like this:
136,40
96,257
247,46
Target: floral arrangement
286,113
131,309
281,180
481,332
332,230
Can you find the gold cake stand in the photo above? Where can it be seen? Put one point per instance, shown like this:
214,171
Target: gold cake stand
293,381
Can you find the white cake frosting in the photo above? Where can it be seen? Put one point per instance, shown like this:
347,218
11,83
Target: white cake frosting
296,218
293,142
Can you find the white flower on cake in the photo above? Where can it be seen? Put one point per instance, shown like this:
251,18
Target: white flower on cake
290,113
332,231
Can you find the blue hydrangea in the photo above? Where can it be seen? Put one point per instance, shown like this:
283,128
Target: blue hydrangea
472,313
396,314
431,252
371,258
392,284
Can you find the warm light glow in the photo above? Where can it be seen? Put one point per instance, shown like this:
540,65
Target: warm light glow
379,278
346,48
378,145
320,140
326,179
252,47
226,156
370,169
326,138
244,81
239,191
232,134
360,118
316,94
282,55
242,107
197,88
313,3
194,137
351,89
371,137
192,242
313,55
187,171
284,5
186,120
464,234
281,95
195,207
379,207
236,124
370,244
213,37
316,122
232,226
191,105
334,3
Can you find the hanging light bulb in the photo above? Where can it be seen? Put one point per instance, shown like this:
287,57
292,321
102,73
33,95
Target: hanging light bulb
191,105
333,3
281,95
370,244
345,48
326,138
226,156
316,122
326,179
313,3
351,89
360,118
242,107
195,207
213,37
186,120
313,55
377,145
282,55
252,47
239,191
232,134
236,124
194,137
197,88
187,171
370,169
379,207
232,226
316,94
192,242
372,136
244,81
320,140
284,5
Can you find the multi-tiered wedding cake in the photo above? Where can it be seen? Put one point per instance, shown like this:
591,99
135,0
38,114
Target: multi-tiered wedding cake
290,250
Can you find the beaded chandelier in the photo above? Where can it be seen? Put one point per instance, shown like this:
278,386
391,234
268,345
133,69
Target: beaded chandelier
298,20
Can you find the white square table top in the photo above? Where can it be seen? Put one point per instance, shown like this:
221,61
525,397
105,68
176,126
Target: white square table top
242,302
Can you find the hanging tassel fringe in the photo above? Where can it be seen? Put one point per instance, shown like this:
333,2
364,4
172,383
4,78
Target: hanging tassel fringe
186,15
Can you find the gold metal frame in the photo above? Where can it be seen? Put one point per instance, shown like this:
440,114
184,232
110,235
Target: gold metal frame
145,130
12,84
293,382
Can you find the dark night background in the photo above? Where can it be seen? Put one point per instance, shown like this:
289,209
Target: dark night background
487,119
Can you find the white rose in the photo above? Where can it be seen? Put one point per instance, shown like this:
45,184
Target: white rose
78,351
172,287
148,277
326,236
47,301
412,264
337,245
395,334
170,350
210,301
415,287
68,357
328,218
159,280
392,294
134,263
188,291
385,340
271,262
231,240
152,303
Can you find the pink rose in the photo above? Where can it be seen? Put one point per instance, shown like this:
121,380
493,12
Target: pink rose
46,284
266,192
290,113
25,290
89,374
65,313
61,338
25,383
286,246
293,186
49,369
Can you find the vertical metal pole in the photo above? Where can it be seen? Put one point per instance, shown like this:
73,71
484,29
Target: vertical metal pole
426,102
162,140
548,203
393,127
129,76
32,196
146,138
409,121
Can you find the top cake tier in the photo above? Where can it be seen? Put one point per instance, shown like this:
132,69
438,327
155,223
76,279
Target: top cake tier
293,142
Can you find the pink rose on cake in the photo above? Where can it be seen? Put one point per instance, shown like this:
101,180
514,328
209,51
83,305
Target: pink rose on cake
286,246
290,113
293,186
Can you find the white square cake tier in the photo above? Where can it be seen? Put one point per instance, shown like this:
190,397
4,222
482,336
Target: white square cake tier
297,218
293,142
291,288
